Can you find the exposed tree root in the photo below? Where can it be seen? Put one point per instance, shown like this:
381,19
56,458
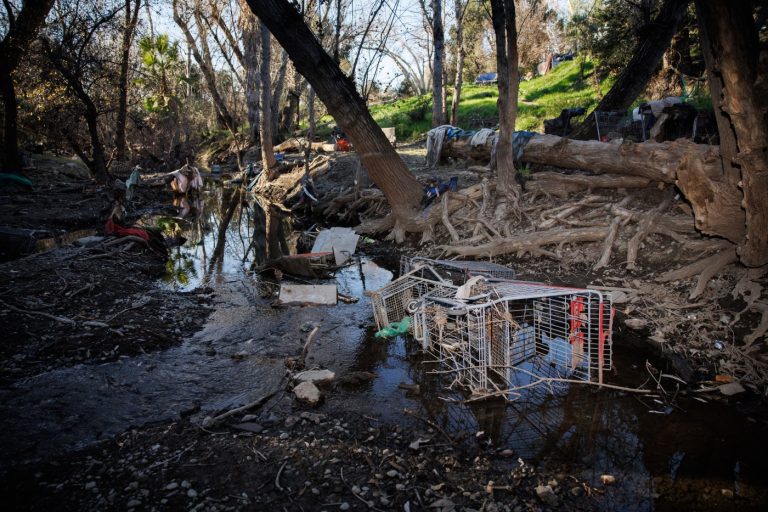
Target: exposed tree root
706,269
531,243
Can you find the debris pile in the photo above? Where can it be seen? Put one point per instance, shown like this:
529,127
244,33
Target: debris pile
495,334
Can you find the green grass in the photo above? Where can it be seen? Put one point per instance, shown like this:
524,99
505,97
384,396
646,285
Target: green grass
541,98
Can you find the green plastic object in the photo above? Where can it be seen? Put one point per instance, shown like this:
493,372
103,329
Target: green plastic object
395,328
7,178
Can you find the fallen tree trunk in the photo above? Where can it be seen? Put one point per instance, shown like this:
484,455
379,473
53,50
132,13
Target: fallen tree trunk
652,160
299,144
695,168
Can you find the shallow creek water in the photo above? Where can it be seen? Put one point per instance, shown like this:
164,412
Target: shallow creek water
661,458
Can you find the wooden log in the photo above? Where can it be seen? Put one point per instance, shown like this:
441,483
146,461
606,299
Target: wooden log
298,144
652,160
696,169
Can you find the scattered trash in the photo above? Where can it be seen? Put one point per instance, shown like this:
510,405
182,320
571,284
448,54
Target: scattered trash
732,388
719,345
186,179
342,242
395,328
608,479
486,329
132,182
636,324
323,294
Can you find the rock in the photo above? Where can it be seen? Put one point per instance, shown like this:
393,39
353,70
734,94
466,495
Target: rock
730,389
307,392
172,486
636,323
284,436
89,241
249,417
727,493
506,453
90,485
546,494
392,473
185,484
249,427
192,493
311,416
133,504
443,504
577,491
607,479
315,376
344,506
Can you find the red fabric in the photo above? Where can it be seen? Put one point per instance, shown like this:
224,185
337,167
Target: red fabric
113,228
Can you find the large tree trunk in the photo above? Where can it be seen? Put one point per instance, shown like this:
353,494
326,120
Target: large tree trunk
695,168
277,93
641,67
21,30
267,148
459,8
503,16
437,63
738,75
206,67
339,95
131,18
291,107
251,60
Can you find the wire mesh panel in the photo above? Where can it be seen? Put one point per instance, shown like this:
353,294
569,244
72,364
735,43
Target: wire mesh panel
619,125
391,303
458,270
508,334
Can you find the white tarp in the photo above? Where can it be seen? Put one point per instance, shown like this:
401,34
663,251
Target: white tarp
342,242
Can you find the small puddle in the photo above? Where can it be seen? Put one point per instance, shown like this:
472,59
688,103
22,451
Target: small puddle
696,455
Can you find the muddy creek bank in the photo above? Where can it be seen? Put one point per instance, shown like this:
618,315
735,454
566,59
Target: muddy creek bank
128,426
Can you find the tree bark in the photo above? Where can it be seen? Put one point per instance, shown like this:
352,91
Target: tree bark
503,18
267,149
641,67
209,75
339,95
131,18
738,71
695,168
438,57
459,8
291,108
21,31
251,64
277,93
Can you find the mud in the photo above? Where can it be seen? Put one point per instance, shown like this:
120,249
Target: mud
86,427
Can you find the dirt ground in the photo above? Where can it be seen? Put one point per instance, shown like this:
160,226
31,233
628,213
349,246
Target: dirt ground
74,305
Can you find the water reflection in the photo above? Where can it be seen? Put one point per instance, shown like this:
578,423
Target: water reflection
692,458
225,231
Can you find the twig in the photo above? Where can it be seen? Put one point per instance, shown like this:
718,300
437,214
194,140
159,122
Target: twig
277,477
61,319
208,422
305,350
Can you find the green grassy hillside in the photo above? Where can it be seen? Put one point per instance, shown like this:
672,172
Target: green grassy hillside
540,98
